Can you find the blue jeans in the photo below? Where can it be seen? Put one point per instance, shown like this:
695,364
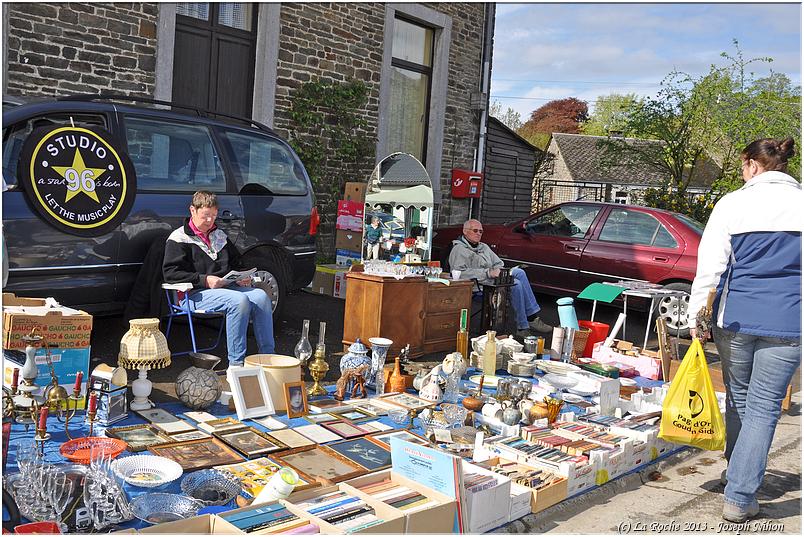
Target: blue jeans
240,304
756,371
522,299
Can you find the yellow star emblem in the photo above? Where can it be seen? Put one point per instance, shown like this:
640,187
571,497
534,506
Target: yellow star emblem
79,178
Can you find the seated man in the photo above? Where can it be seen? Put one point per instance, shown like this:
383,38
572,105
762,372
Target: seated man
200,253
475,260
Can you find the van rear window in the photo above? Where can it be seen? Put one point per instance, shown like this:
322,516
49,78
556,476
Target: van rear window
260,160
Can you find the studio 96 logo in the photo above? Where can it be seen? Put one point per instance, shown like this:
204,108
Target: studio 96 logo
77,179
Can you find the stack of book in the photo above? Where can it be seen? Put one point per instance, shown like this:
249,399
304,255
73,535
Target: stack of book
526,476
546,453
272,518
342,509
398,496
475,482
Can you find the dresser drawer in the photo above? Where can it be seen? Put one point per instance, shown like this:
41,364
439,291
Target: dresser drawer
441,326
448,298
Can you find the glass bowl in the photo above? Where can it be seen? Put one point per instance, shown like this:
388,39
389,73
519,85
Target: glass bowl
211,487
158,507
147,470
399,416
454,414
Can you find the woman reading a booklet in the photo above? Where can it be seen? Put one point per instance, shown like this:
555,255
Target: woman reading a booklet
201,254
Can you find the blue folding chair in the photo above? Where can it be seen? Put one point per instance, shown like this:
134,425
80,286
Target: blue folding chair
180,306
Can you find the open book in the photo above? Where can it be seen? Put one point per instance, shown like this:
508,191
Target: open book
237,275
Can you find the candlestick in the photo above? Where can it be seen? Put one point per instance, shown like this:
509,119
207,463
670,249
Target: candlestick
15,380
43,418
92,410
78,378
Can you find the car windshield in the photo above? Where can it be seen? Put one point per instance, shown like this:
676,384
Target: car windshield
696,226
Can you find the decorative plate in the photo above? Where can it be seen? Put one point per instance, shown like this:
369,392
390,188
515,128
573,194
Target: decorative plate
158,507
78,449
559,381
572,398
551,366
625,381
147,470
490,381
212,487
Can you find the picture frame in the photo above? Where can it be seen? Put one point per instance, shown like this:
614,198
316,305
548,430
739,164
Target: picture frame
221,425
291,438
406,400
353,415
139,437
371,455
321,462
344,429
317,434
327,404
250,392
319,418
384,437
164,420
256,473
295,398
198,454
370,406
251,442
191,435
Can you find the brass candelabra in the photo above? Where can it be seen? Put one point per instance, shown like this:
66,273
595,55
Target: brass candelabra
68,415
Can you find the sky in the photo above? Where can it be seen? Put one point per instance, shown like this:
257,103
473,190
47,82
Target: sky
547,51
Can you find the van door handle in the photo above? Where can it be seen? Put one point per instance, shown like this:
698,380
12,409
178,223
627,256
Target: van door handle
227,216
661,258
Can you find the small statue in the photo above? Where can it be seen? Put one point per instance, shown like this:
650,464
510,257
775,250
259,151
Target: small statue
359,385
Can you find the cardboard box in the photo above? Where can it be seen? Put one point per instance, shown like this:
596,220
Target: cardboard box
71,330
298,512
609,390
486,509
324,279
339,285
346,239
540,499
520,502
354,191
66,364
350,215
640,454
346,258
436,519
393,522
197,525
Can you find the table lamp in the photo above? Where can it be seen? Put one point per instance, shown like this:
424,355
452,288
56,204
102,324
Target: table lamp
143,348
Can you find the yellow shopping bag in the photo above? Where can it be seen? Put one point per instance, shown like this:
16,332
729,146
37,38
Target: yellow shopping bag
690,413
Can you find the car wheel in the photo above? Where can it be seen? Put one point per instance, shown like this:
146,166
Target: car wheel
674,310
274,275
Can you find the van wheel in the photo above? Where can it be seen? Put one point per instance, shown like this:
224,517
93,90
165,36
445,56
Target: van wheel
674,310
275,275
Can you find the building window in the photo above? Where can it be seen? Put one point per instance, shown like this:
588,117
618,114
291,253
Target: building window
411,75
621,196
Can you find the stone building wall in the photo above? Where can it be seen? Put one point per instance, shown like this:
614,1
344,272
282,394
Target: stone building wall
63,48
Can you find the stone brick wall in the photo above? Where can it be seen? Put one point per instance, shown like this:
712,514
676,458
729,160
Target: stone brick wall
63,48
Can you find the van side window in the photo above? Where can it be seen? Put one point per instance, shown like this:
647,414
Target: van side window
173,156
261,160
14,136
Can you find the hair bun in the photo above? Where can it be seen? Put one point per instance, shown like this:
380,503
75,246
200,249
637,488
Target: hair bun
786,148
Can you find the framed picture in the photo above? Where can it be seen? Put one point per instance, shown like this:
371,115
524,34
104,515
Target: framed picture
198,454
200,417
295,398
406,400
165,421
320,461
354,415
344,429
192,435
291,438
251,442
139,437
370,406
250,392
375,426
254,475
370,455
385,437
328,404
319,418
317,434
221,425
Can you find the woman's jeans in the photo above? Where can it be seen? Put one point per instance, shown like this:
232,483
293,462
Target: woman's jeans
240,304
522,299
756,371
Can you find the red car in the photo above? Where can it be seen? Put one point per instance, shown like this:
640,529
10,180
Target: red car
566,247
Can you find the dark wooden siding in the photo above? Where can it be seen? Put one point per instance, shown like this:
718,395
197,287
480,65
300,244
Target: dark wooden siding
509,169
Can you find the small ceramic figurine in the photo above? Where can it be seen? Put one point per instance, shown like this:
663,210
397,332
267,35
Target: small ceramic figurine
359,386
431,391
349,381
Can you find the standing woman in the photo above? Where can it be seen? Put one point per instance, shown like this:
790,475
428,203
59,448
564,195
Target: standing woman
751,252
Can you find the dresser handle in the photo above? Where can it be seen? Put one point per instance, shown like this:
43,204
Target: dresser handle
446,325
448,301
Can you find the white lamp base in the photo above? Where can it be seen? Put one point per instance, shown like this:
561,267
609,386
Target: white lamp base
141,389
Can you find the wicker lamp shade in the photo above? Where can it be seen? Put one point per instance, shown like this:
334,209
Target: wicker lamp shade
143,346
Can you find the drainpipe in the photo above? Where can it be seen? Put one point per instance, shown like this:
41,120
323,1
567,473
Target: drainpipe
485,85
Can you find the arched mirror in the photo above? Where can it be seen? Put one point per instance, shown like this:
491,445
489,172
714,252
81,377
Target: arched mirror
398,211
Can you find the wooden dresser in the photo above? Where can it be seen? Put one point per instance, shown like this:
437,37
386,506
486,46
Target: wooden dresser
407,311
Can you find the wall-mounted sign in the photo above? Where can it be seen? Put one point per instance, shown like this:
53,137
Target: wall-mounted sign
78,179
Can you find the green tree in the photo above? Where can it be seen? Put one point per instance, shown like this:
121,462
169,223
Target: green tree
611,114
704,120
510,117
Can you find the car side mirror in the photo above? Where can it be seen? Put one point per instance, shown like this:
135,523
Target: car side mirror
519,228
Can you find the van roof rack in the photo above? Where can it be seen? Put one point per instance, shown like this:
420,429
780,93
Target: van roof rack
201,112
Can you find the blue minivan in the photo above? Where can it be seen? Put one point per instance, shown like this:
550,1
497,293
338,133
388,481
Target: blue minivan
266,201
